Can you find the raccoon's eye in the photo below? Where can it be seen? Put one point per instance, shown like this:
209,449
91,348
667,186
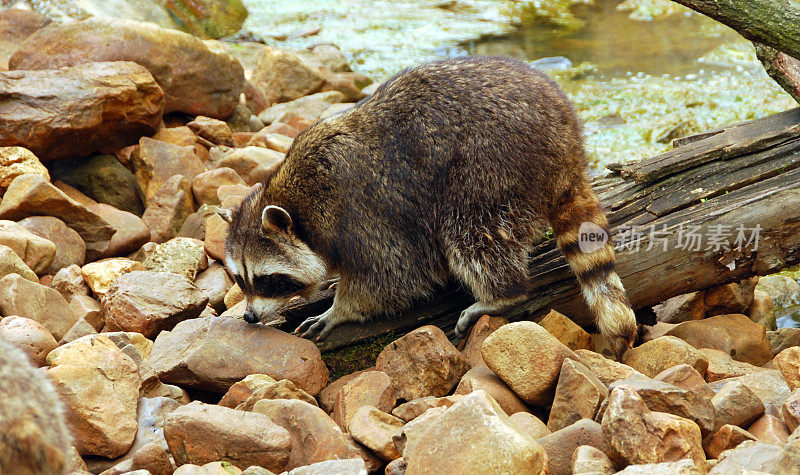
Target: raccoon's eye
276,285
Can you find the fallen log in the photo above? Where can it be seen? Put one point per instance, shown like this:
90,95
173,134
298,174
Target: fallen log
720,208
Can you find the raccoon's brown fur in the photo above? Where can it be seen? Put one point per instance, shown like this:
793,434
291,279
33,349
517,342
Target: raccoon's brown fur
451,168
34,438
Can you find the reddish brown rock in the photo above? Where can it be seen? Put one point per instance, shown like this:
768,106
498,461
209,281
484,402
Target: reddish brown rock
282,76
200,433
180,255
370,388
253,164
763,310
214,353
21,297
283,389
183,137
69,282
530,424
214,282
242,390
412,409
735,334
30,336
655,356
732,298
788,363
195,79
406,438
481,377
605,369
149,302
216,233
560,445
78,110
374,429
204,185
70,248
100,275
99,386
153,458
727,437
35,251
722,366
528,358
567,331
307,108
278,142
468,437
768,385
16,161
686,377
214,130
16,24
791,410
131,232
168,209
422,363
80,329
155,162
638,435
589,460
755,457
736,404
87,309
11,263
31,195
484,327
578,395
769,429
315,436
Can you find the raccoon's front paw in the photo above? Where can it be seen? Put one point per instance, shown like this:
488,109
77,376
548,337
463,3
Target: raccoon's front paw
468,318
317,327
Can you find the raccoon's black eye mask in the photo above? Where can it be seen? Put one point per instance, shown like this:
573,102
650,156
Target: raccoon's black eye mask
276,285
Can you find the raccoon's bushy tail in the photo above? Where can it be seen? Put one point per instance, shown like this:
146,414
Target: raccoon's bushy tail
582,234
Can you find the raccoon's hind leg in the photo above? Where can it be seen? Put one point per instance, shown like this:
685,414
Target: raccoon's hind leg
592,262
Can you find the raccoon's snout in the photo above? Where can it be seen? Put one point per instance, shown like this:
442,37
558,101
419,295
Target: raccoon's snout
250,317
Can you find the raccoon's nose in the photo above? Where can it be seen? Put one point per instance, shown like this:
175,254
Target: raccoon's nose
250,317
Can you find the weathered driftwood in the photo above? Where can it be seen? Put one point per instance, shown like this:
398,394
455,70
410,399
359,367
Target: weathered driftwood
747,174
784,69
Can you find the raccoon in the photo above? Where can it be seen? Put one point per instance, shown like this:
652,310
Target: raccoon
34,438
452,168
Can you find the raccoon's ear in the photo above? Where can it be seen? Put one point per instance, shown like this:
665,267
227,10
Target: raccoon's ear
276,219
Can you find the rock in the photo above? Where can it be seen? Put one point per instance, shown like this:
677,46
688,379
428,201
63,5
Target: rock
783,338
791,410
736,404
80,329
99,386
155,162
307,107
589,460
214,282
468,438
283,389
370,388
422,363
567,332
527,358
769,429
762,311
735,334
253,164
21,297
103,178
100,275
16,24
337,108
396,467
11,263
788,363
721,366
168,209
681,467
374,429
278,142
30,336
216,233
201,433
727,437
733,298
69,283
769,386
213,130
150,302
74,193
78,110
412,409
484,327
639,435
183,137
195,79
315,436
606,370
205,184
681,308
213,353
663,397
131,232
70,248
578,395
183,256
233,296
16,161
31,195
755,457
560,445
153,458
686,377
372,461
530,424
345,84
405,440
218,468
650,333
36,252
482,377
282,76
782,288
655,356
333,467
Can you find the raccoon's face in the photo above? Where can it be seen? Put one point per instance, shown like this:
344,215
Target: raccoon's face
270,264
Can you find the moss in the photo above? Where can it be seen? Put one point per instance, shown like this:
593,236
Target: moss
356,357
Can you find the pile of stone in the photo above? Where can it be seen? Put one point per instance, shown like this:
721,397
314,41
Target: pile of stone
116,140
